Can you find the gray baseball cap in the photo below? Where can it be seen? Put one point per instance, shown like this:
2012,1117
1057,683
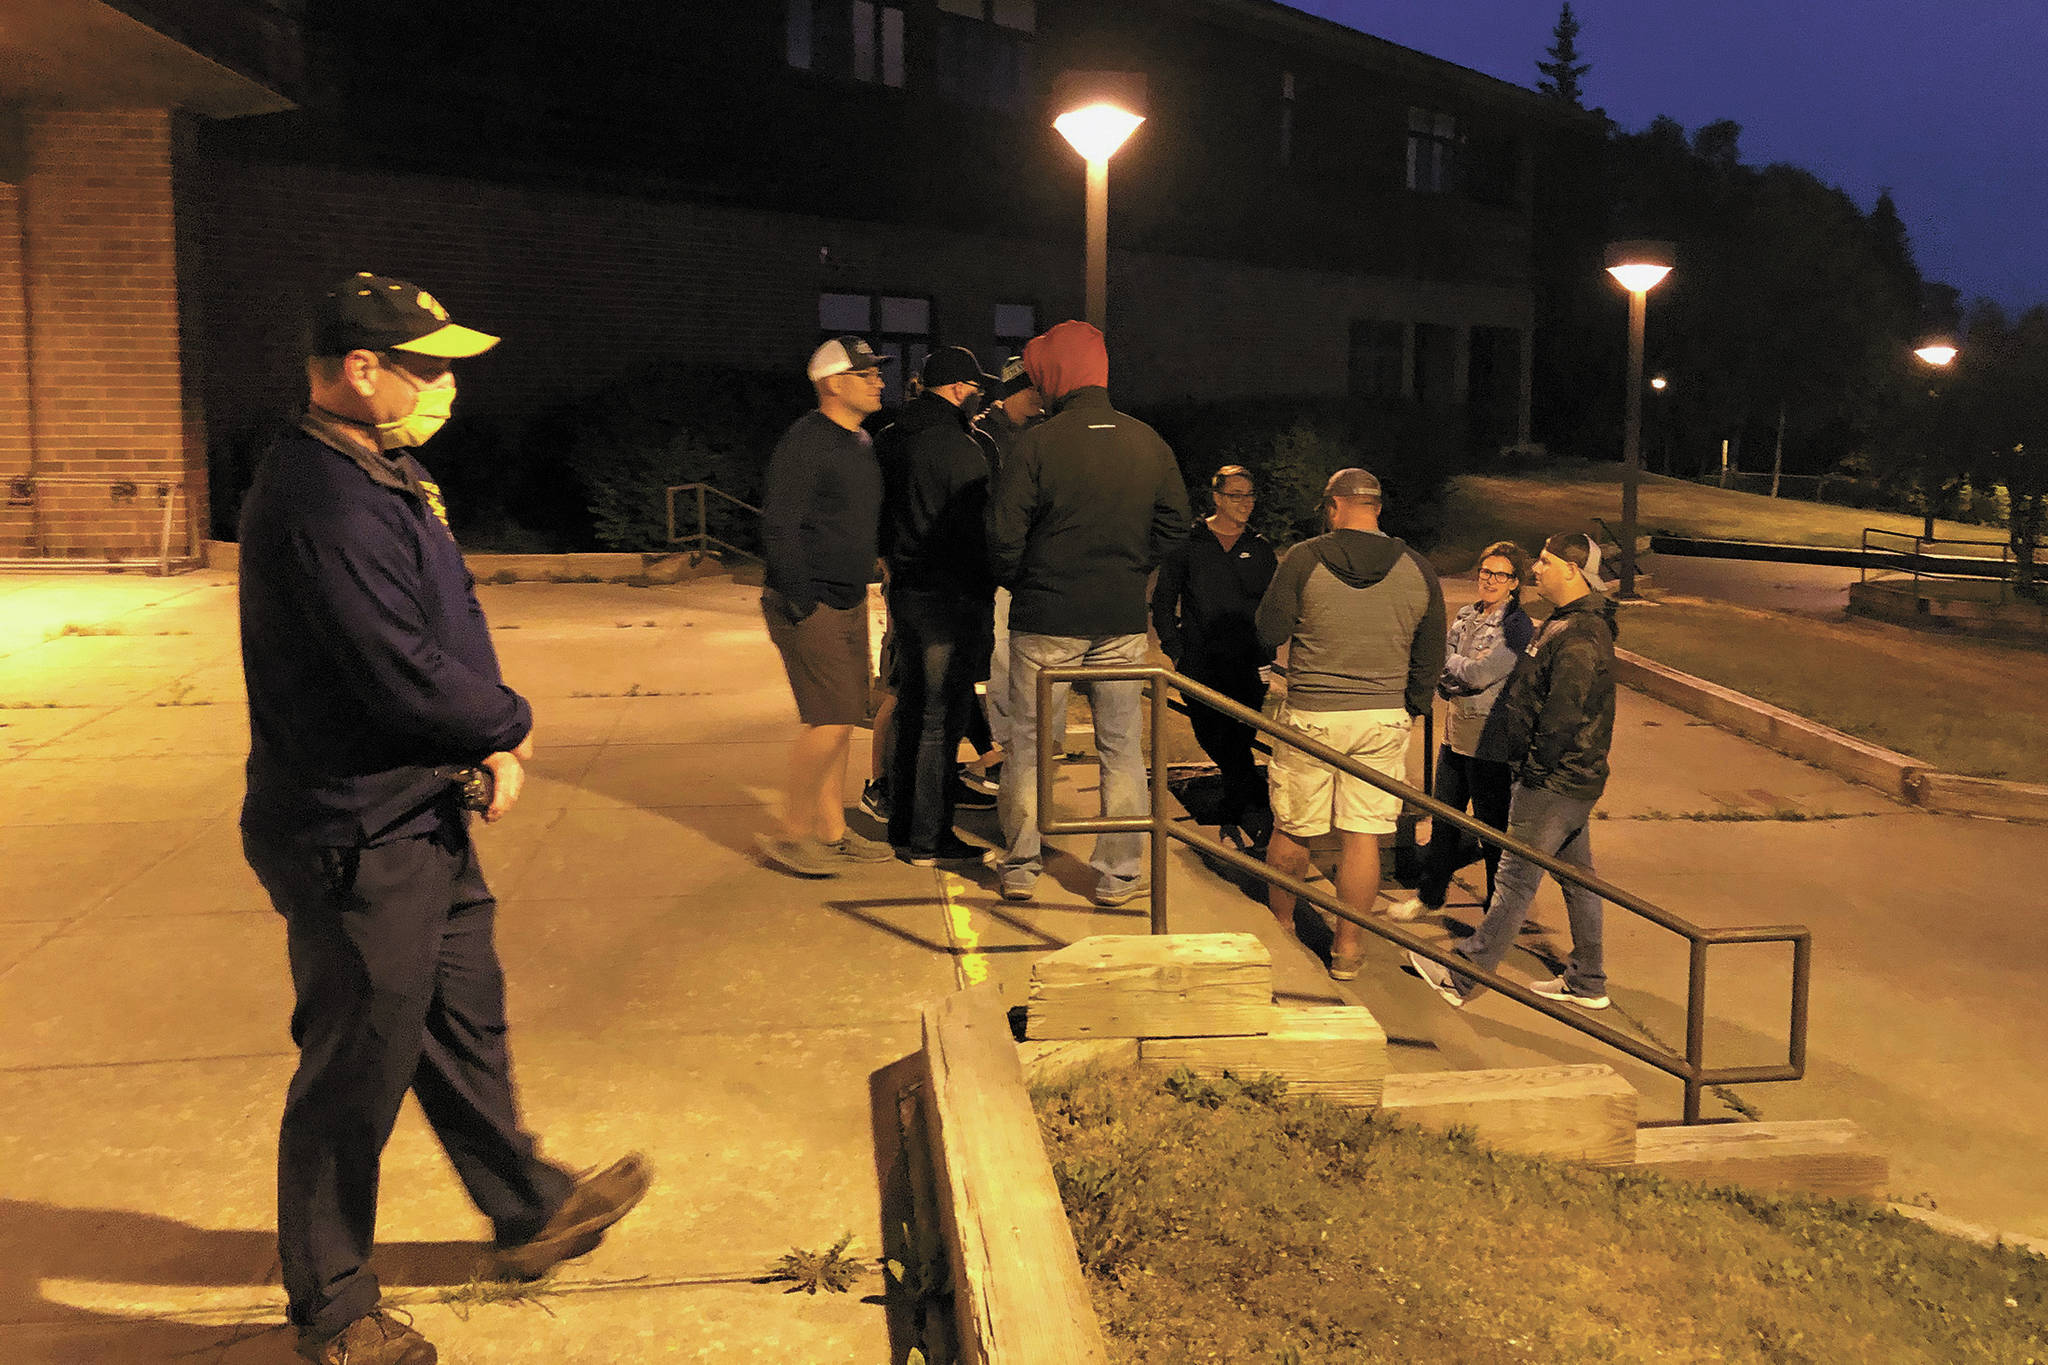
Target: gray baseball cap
1352,483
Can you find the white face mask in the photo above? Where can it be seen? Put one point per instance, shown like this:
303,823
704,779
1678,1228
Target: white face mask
432,405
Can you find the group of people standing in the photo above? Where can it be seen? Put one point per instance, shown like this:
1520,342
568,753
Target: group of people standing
380,723
1051,512
1033,497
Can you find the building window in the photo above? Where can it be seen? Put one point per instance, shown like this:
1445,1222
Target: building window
797,35
1432,151
1287,118
897,325
857,38
984,52
1378,356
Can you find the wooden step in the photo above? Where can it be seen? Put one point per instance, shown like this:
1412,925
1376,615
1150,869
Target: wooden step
1578,1113
1336,1052
1152,986
1832,1157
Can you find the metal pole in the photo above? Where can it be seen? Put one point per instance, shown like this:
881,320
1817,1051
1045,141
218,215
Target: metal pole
1695,1027
163,548
1632,441
1160,842
703,528
1098,245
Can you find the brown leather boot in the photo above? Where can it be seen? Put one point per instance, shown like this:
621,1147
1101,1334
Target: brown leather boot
376,1338
599,1200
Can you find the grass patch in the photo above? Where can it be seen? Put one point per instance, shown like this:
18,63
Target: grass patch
1526,508
1964,706
1233,1223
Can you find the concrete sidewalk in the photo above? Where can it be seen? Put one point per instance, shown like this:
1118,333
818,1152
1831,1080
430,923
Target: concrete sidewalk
670,995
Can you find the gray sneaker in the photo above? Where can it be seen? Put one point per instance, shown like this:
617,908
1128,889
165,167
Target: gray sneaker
1111,899
858,848
804,857
1556,989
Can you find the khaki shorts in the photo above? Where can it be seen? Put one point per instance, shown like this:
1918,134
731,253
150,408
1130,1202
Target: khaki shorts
826,657
1308,796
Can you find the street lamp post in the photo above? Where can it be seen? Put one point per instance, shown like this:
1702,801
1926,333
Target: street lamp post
1100,111
1937,353
1638,267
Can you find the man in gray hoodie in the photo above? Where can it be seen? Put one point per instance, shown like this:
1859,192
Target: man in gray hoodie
1362,617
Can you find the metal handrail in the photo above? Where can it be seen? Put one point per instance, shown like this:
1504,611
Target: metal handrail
1921,560
705,540
1691,1068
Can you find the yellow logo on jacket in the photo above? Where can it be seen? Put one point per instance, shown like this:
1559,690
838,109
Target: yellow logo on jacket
435,505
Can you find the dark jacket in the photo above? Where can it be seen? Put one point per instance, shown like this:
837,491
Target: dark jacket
368,660
935,477
1205,598
1086,504
1362,617
1555,721
821,509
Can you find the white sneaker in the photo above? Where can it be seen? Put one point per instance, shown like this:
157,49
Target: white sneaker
1439,980
1555,989
1406,911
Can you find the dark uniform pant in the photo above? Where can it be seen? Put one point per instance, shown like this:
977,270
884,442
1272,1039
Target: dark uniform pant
398,988
1229,742
942,644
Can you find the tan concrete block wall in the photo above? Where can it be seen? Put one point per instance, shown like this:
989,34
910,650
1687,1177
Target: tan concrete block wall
101,283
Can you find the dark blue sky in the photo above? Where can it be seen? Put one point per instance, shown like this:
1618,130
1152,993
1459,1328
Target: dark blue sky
1946,104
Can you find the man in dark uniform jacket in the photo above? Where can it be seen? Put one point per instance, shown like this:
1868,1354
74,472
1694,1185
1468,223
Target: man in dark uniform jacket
941,597
371,676
1202,608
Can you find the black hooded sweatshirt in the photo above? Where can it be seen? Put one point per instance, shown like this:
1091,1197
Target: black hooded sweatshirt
1554,722
935,475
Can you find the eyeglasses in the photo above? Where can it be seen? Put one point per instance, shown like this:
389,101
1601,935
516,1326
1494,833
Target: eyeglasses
1237,497
1489,576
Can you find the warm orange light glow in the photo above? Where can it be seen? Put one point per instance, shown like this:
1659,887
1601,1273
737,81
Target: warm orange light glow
1936,355
1097,130
1639,278
1660,383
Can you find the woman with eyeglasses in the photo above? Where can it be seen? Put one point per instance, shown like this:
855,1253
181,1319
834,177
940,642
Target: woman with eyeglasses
1486,639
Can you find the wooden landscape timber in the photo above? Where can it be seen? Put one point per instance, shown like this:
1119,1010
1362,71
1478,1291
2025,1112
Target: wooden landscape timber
1057,1058
1832,1157
1574,1113
1018,1295
1152,986
1337,1053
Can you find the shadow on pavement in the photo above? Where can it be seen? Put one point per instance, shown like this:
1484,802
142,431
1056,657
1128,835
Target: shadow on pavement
124,1253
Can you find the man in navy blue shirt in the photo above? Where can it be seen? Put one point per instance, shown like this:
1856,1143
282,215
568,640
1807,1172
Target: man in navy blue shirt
821,513
371,678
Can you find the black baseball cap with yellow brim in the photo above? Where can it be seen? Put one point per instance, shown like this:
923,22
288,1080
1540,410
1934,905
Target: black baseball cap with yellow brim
367,312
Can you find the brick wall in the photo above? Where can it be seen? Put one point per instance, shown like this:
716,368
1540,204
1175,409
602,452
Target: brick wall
17,445
96,255
588,287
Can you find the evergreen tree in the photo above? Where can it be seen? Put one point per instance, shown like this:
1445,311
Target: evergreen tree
1562,73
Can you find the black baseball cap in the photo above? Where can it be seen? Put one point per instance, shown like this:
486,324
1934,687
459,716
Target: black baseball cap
954,365
367,312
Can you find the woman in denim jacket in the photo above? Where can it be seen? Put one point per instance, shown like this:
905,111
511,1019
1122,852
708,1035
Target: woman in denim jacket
1486,639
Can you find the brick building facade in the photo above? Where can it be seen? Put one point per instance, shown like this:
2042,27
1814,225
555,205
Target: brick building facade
102,434
1307,211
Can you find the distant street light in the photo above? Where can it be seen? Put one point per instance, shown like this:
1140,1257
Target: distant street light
1937,353
1102,108
1660,383
1638,267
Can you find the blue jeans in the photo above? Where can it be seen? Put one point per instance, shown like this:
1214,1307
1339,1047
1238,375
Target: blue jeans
1118,706
1558,826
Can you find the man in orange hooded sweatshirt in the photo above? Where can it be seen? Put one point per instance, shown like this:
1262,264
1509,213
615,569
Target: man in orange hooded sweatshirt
1083,509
